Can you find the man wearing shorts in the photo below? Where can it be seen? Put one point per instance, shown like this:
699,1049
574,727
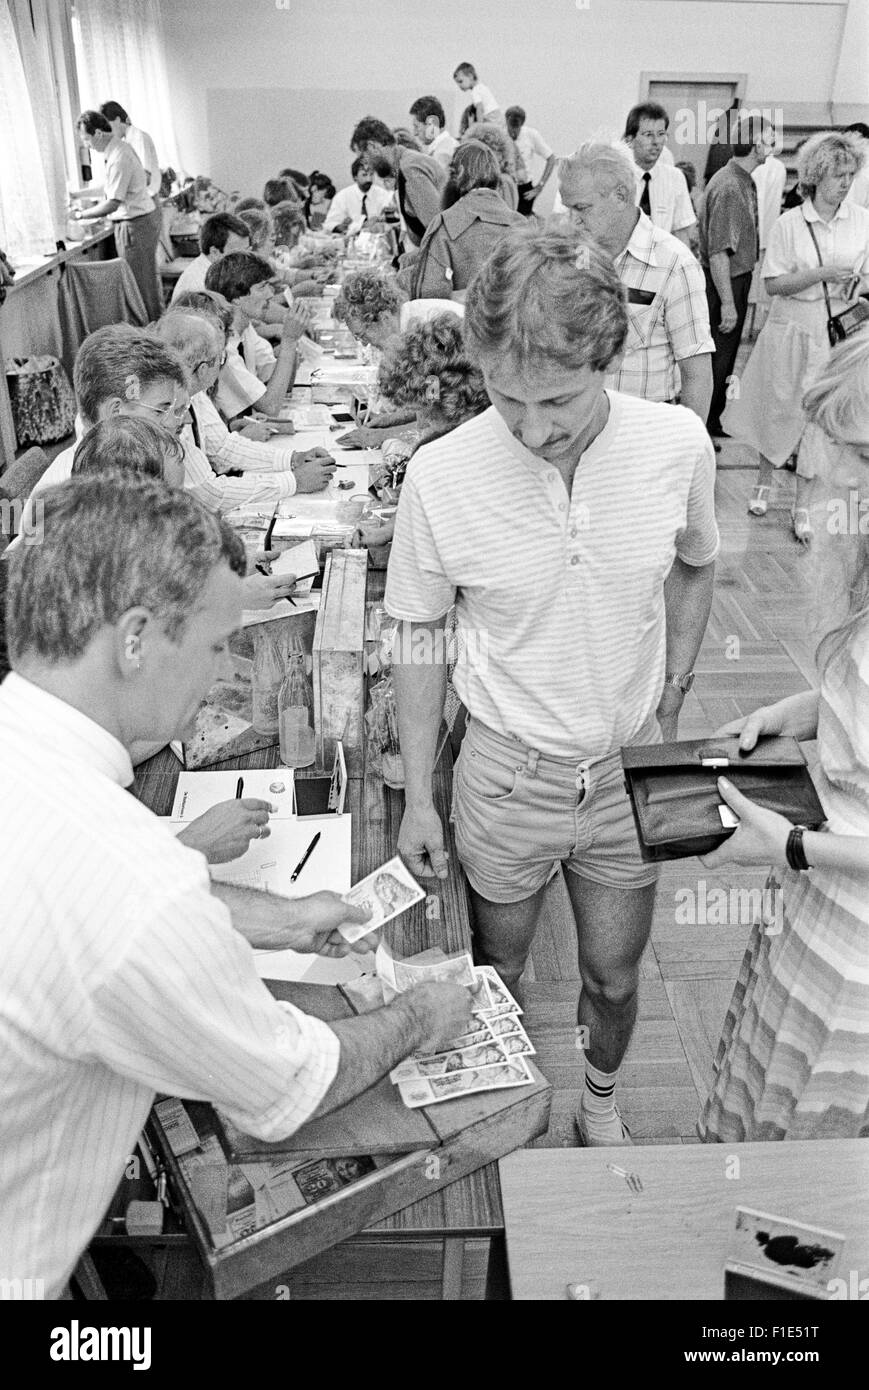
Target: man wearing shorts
574,529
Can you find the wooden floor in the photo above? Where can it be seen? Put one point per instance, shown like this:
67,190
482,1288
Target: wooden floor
763,586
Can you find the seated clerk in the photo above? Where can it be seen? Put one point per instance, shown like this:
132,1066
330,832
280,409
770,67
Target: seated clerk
239,389
361,198
261,224
200,344
280,190
219,234
246,282
127,971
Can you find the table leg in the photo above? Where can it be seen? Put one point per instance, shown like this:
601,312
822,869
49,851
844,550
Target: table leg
498,1272
451,1277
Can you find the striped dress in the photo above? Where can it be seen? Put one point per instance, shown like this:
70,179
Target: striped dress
793,1061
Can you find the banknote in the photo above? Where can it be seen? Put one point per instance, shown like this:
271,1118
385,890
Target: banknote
387,892
500,995
430,1090
399,975
483,1054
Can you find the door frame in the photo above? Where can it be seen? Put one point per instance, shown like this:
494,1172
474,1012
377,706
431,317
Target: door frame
739,79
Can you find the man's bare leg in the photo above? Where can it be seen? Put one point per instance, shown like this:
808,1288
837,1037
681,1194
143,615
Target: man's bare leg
503,933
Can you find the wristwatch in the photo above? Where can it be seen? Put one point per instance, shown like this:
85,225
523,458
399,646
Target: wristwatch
681,682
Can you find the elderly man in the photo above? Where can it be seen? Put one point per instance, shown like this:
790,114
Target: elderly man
729,248
574,529
212,452
661,190
125,971
419,179
667,354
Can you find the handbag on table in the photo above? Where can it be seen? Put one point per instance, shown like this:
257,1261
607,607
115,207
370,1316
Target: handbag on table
678,809
849,321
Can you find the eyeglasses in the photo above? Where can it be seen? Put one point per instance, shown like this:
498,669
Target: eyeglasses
214,361
173,411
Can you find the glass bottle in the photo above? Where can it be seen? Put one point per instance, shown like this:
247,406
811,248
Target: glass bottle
267,674
296,714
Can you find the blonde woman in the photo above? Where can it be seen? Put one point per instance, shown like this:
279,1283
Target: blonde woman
818,256
793,1062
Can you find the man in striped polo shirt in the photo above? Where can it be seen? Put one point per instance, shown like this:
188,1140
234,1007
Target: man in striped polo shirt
574,528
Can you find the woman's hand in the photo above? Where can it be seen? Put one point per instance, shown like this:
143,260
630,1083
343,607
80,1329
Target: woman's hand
836,274
263,590
795,717
760,838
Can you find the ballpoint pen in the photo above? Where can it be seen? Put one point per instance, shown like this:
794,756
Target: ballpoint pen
304,859
239,788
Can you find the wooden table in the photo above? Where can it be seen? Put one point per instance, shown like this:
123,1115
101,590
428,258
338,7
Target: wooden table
440,1246
570,1220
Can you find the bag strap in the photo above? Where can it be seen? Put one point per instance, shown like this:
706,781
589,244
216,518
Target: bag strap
811,231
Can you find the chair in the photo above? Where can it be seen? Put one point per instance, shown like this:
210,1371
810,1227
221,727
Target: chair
93,294
16,485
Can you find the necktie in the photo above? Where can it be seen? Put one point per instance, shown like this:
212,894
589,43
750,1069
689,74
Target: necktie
364,204
645,205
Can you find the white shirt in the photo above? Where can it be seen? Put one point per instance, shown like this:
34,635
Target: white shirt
560,600
348,203
442,148
229,449
192,278
859,191
669,199
220,493
122,976
125,180
485,101
770,178
533,148
142,145
844,241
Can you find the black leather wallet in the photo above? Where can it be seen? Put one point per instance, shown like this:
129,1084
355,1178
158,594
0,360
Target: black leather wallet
675,799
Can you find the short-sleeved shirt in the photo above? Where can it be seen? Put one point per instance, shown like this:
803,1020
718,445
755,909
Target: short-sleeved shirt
125,180
442,148
559,599
669,199
143,146
192,277
731,223
844,241
484,100
672,325
532,148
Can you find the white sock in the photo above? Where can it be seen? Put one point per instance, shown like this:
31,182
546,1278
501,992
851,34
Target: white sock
597,1098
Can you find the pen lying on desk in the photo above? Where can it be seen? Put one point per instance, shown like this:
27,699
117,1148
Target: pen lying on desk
304,859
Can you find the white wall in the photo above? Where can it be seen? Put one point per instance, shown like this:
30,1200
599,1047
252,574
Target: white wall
256,87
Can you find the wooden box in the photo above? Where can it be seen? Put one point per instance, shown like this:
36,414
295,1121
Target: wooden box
331,1188
339,661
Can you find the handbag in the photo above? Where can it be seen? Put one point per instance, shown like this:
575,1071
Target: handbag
677,807
849,321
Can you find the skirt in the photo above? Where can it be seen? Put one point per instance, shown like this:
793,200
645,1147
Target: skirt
793,1060
791,349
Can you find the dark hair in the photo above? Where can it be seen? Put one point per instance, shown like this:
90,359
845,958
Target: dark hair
516,111
403,137
208,304
288,221
473,165
358,163
112,543
120,360
318,180
369,128
215,230
689,171
745,133
424,107
114,111
857,128
136,447
259,225
92,121
236,274
466,69
279,191
248,205
468,118
295,175
645,111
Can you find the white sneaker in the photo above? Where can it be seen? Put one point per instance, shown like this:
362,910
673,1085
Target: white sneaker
598,1131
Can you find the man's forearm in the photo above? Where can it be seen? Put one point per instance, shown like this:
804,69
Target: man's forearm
684,235
268,922
371,1045
719,269
544,177
280,380
687,600
420,690
696,388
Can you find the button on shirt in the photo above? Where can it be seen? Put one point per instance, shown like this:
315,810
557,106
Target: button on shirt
122,976
669,199
559,599
675,325
730,219
844,241
125,180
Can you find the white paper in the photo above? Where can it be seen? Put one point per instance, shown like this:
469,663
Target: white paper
304,603
298,559
197,792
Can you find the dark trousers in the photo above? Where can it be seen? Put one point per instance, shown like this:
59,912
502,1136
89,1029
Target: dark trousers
726,344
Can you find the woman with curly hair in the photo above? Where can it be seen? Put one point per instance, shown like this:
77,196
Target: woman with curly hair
474,219
510,163
816,263
321,191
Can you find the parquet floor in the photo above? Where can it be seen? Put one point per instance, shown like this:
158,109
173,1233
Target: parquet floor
758,648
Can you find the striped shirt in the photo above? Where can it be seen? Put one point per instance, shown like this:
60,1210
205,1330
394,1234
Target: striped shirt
673,326
220,493
122,976
229,449
559,599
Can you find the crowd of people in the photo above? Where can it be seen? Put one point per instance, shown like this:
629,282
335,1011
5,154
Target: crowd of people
553,392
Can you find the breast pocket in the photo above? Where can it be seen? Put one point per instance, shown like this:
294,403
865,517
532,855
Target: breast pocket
641,324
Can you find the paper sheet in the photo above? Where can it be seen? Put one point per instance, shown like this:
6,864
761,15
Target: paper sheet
197,792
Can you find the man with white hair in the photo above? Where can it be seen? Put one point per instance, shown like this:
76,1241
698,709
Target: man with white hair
573,527
667,355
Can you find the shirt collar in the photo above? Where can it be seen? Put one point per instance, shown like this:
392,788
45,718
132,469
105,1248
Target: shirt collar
113,146
811,214
64,731
741,173
483,204
641,244
598,446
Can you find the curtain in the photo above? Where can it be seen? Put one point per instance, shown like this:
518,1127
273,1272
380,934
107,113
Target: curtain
120,57
32,28
26,221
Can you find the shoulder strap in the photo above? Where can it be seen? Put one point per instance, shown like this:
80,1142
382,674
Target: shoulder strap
811,231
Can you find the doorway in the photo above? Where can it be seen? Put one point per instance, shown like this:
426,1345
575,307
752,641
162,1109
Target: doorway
696,104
